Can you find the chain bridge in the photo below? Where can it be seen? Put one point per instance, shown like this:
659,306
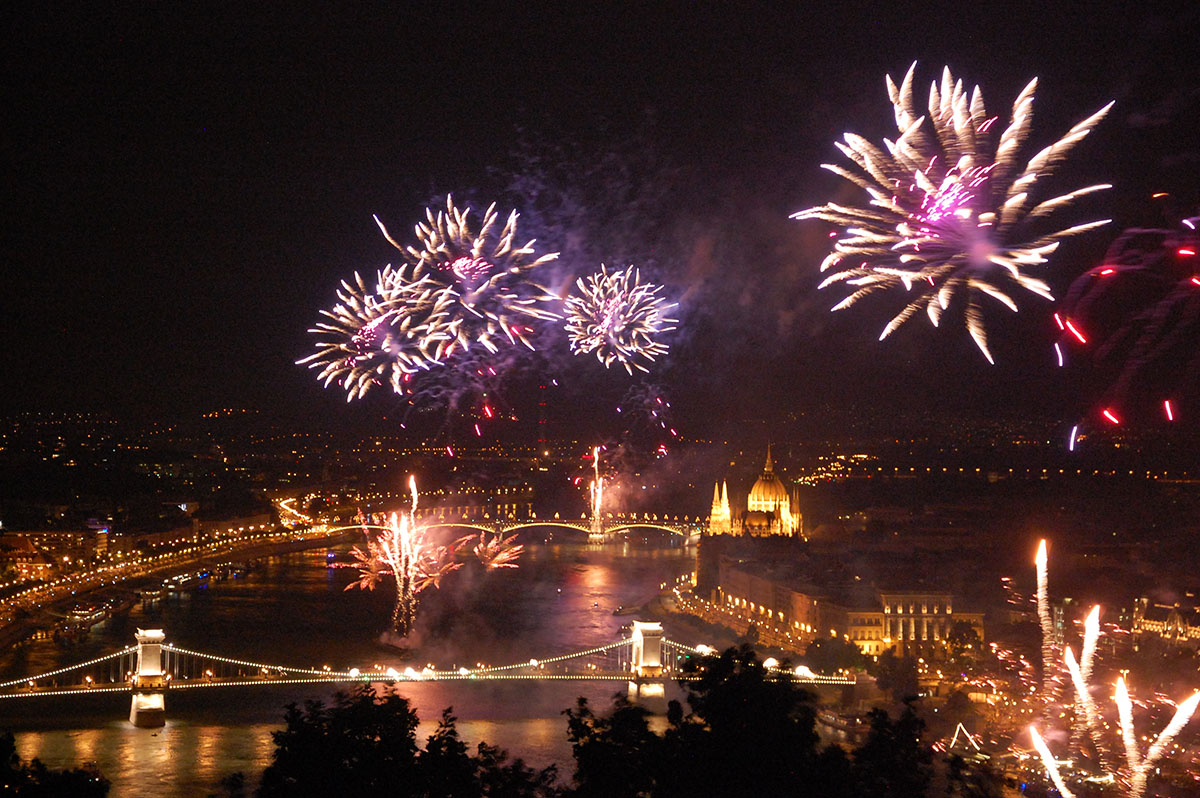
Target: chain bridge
153,667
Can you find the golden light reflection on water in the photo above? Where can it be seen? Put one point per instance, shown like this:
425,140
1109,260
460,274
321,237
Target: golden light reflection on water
293,609
176,760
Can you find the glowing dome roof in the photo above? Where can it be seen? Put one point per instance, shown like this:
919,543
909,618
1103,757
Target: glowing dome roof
769,489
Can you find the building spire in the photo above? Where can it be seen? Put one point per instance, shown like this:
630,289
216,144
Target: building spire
719,518
770,467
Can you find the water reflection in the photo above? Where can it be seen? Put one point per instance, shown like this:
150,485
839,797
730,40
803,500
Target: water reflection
293,610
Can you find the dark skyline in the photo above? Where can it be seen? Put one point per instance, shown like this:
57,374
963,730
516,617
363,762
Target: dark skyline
190,185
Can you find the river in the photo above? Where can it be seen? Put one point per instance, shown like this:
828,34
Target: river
294,610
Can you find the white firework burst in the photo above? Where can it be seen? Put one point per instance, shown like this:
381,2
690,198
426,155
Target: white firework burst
618,317
375,336
949,206
481,283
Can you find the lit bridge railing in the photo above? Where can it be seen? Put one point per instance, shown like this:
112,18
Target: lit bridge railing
110,673
187,669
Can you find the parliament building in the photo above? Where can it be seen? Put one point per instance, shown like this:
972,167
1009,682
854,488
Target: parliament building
768,509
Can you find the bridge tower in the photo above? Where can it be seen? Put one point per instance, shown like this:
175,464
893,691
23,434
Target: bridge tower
596,533
647,648
148,709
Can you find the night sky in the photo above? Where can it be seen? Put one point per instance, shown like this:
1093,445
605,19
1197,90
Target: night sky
189,182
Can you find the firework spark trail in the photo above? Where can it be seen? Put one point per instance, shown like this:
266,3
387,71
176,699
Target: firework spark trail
1136,771
1182,715
597,493
597,482
1081,676
646,409
1049,764
1125,716
1090,712
947,208
1043,606
618,317
1091,635
400,549
1149,282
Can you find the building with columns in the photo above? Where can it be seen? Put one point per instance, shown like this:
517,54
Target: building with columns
912,622
916,622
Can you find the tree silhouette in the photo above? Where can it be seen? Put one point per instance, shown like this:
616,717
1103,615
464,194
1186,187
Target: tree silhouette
897,675
972,779
364,744
615,755
828,654
749,730
893,762
35,780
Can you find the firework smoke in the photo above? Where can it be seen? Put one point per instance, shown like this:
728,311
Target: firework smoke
1137,316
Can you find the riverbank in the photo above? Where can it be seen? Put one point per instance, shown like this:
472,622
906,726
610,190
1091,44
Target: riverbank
22,629
294,609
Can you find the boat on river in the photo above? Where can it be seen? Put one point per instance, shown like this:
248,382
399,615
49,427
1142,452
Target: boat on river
186,580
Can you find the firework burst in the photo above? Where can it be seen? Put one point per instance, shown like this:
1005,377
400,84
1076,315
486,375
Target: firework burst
482,281
401,549
949,208
377,335
618,317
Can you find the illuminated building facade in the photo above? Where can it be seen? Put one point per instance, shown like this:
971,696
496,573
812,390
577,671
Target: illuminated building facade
25,558
920,622
719,521
1176,624
912,623
768,508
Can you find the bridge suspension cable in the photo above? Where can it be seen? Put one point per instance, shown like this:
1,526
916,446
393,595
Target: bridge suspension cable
551,660
257,665
77,666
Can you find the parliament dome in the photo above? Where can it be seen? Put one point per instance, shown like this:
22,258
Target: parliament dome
769,491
